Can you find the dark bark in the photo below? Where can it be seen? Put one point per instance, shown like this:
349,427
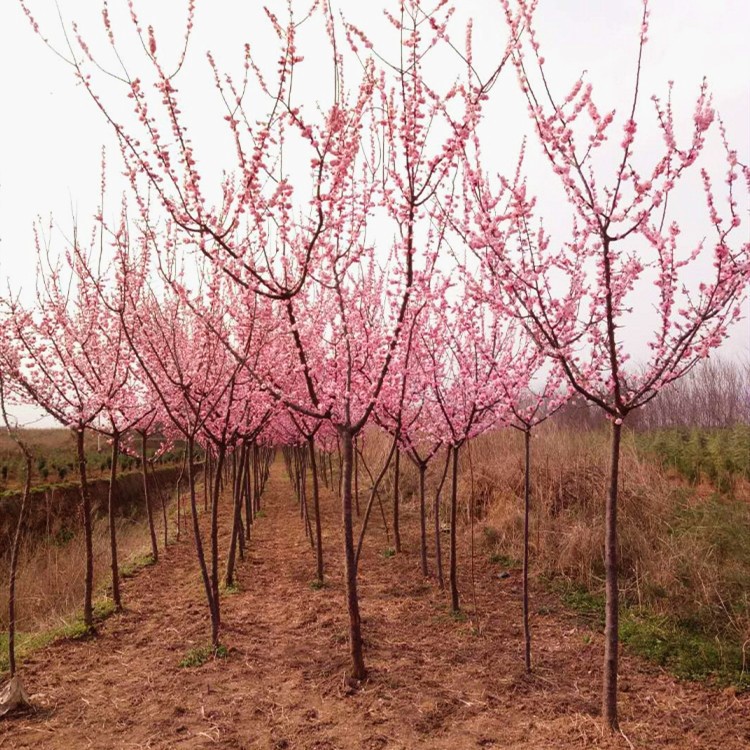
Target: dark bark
237,531
147,498
179,495
356,477
358,670
88,612
323,469
256,480
453,572
436,510
396,483
162,502
422,519
316,509
249,506
111,517
526,512
207,479
216,621
199,547
609,688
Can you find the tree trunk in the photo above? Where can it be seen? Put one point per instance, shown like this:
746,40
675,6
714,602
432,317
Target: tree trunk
609,691
218,474
111,516
237,530
454,513
323,469
147,496
88,612
422,519
256,483
526,511
316,509
249,506
207,479
14,567
199,548
355,631
179,496
356,477
438,543
396,482
162,502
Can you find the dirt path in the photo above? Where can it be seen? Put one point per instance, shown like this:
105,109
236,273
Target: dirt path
435,682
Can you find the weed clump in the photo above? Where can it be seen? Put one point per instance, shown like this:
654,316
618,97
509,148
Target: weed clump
199,655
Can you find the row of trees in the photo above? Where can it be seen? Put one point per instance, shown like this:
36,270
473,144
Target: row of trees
394,281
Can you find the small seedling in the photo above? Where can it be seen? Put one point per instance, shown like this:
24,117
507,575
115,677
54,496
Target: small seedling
389,552
199,655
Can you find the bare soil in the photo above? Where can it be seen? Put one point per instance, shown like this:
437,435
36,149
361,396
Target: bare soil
434,681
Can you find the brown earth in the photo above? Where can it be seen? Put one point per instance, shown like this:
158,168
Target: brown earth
434,681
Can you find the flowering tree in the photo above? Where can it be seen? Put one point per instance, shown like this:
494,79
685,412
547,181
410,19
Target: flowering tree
66,365
576,298
534,392
467,351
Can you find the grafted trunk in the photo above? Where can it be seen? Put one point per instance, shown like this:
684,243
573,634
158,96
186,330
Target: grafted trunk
609,688
352,602
111,517
147,498
88,612
453,574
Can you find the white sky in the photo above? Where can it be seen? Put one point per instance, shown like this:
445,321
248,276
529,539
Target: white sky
51,134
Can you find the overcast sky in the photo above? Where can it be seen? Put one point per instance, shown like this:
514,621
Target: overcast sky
51,134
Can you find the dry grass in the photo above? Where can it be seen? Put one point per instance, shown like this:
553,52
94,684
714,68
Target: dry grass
50,580
683,553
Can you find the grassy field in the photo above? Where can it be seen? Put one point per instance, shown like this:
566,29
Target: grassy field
54,457
720,456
